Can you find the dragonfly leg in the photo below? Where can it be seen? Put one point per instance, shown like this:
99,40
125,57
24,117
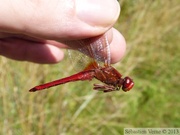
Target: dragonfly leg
105,88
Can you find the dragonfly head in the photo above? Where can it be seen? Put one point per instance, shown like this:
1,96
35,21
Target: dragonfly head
127,84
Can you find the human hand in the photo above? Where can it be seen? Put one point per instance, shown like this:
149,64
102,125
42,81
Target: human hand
35,30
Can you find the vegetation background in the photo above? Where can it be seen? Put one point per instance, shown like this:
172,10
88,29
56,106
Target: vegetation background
152,32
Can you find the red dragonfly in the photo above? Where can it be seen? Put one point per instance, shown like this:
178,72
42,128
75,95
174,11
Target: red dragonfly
98,67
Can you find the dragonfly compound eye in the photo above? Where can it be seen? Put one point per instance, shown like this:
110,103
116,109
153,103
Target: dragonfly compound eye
128,84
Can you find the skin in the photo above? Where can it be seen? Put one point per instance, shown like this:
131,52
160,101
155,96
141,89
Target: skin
37,30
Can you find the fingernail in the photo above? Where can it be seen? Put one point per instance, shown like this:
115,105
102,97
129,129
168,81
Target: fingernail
98,12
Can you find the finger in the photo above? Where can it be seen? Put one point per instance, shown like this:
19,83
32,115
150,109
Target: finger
117,46
116,41
32,39
115,38
24,50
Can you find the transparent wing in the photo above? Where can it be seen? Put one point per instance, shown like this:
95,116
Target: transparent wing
90,52
78,60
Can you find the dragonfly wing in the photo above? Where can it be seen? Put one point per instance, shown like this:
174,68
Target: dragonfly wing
78,60
97,53
99,50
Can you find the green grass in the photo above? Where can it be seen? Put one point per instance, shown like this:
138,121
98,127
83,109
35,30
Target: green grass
152,32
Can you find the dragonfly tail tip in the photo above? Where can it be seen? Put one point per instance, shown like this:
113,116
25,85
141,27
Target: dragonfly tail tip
32,90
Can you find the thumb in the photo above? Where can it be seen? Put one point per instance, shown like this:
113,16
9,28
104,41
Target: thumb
59,19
